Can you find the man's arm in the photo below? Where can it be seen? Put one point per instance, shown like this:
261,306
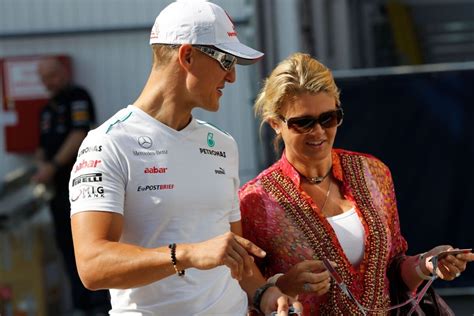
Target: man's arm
69,148
66,154
103,262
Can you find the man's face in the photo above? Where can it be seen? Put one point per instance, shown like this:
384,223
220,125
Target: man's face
53,75
208,80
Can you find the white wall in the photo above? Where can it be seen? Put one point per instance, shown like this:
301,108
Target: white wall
108,43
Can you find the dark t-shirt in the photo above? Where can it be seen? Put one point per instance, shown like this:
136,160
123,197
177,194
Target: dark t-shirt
72,108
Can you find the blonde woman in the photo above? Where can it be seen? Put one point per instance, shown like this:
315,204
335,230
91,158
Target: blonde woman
318,203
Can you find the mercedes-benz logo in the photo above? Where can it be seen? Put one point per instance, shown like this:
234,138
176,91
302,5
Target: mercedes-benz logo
145,141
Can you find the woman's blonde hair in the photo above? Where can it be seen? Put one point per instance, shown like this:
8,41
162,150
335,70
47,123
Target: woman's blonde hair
297,74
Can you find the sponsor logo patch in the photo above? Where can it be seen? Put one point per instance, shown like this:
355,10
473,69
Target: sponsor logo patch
145,142
87,191
89,149
89,177
219,171
87,164
205,151
155,187
155,170
210,139
150,152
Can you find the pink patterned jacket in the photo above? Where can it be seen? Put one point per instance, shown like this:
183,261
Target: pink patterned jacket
281,218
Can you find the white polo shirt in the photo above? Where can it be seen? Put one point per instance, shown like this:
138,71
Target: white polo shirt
171,187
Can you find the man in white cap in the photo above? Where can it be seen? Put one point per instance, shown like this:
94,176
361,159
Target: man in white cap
154,206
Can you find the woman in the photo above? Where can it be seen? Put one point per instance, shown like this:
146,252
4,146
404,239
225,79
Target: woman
317,202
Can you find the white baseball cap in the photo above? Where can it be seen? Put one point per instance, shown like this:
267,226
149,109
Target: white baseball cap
199,22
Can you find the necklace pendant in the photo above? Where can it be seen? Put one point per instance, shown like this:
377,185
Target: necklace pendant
316,180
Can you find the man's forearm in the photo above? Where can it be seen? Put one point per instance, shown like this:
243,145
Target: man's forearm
68,150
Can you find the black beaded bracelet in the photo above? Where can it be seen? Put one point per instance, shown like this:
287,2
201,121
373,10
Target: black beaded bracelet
257,297
173,259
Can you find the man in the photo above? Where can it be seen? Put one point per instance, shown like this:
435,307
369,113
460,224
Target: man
155,213
64,123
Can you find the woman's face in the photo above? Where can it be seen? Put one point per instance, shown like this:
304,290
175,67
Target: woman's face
315,145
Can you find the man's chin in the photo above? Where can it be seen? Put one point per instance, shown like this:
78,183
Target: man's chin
211,108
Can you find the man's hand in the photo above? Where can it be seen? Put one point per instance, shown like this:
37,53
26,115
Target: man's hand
45,173
228,249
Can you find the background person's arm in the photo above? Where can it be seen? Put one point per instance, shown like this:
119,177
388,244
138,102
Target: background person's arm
66,154
68,151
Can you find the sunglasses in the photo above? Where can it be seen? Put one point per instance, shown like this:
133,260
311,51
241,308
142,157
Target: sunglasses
305,124
227,61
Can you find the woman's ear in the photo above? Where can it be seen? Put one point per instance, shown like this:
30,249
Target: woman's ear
185,56
275,124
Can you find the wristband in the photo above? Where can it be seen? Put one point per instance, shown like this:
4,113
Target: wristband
421,275
257,297
273,279
174,261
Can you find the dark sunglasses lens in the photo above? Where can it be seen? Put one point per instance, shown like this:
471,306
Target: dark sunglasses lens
329,119
301,124
306,124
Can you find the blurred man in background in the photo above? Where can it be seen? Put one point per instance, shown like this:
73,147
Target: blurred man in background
64,123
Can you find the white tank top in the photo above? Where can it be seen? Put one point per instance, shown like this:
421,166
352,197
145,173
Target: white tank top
351,235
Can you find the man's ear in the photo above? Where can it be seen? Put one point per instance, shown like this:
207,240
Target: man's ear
185,56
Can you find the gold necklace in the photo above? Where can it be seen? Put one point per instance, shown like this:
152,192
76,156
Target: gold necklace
327,195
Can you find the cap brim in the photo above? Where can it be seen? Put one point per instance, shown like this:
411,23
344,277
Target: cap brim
245,55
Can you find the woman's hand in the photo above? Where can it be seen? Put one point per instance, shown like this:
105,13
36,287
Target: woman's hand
450,266
309,276
273,300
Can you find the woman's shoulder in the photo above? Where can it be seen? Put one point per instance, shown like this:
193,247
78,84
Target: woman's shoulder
371,160
254,187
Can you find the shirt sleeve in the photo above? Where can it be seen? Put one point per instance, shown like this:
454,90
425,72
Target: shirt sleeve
98,178
235,213
82,110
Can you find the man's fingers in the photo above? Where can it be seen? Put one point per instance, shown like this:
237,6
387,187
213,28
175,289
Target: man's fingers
250,246
233,266
247,259
237,257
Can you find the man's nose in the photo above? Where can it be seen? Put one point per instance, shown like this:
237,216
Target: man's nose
231,75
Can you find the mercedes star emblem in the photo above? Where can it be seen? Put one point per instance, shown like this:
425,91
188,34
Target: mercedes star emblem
145,141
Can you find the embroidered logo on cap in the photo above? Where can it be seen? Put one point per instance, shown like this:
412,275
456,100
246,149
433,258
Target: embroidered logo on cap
234,33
